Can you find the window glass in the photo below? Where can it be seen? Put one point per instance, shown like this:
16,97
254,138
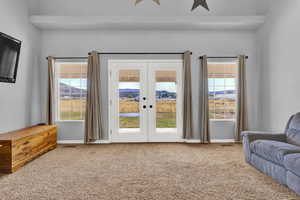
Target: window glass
72,89
129,99
222,78
166,99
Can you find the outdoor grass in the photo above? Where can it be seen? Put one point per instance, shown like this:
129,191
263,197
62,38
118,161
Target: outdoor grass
71,116
164,120
166,111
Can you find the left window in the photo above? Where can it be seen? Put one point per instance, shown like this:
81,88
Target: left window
71,90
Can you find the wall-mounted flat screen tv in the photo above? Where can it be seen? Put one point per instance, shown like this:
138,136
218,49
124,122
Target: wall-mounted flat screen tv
9,58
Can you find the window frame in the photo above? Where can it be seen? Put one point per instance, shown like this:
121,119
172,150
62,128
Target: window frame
57,88
236,80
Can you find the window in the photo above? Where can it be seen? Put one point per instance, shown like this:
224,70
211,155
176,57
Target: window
222,83
71,88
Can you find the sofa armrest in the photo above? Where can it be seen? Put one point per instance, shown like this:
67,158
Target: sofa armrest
259,135
251,136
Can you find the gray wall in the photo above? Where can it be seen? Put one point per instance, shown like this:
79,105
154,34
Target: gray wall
278,45
146,8
78,43
20,103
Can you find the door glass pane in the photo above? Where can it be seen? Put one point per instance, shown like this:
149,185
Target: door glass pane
129,99
166,96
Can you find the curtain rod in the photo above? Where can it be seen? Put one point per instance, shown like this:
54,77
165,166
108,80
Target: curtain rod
125,53
141,53
201,57
71,58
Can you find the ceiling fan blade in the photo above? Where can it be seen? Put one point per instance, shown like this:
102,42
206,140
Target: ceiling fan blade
157,1
198,3
137,1
204,4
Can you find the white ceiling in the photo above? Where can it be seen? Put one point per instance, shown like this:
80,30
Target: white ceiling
146,8
148,23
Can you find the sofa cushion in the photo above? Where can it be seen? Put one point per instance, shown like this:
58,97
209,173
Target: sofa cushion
293,130
272,150
292,163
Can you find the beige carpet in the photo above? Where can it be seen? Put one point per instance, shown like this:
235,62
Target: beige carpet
141,172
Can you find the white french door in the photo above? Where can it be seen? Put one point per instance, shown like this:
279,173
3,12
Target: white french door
145,100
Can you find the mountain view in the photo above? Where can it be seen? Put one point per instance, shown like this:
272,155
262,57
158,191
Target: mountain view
67,91
225,94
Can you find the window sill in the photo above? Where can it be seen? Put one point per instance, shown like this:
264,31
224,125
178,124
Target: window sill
222,120
69,121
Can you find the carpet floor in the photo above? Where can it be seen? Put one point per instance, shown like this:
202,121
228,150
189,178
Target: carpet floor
142,172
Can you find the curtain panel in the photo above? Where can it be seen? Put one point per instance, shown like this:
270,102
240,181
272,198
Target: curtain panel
241,112
93,118
205,124
50,99
187,97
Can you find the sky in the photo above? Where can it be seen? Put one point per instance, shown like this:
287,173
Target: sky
78,83
167,86
216,84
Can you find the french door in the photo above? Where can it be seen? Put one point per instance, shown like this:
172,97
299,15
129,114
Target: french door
145,100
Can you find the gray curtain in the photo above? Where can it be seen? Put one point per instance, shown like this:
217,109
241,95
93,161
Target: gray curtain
93,118
241,113
50,100
187,97
205,129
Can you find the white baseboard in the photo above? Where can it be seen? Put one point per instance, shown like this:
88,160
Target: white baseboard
101,142
82,142
192,141
223,141
109,142
70,142
212,141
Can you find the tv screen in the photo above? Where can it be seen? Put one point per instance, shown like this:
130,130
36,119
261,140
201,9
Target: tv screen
9,58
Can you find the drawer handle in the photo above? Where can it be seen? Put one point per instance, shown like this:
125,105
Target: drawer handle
27,142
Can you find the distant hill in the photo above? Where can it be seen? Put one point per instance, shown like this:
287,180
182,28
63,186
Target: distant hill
129,93
135,93
67,91
225,94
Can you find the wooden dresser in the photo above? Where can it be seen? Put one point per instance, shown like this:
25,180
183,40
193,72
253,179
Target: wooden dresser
19,147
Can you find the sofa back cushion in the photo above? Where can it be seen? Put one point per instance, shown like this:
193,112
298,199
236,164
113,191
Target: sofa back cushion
293,130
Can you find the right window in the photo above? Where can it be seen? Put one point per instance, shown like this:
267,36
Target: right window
222,83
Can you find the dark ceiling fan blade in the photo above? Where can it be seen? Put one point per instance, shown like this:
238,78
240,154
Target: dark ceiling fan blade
198,3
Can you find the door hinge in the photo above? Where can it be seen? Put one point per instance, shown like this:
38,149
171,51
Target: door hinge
110,73
110,132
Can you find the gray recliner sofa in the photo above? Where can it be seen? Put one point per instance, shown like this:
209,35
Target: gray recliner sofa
277,155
